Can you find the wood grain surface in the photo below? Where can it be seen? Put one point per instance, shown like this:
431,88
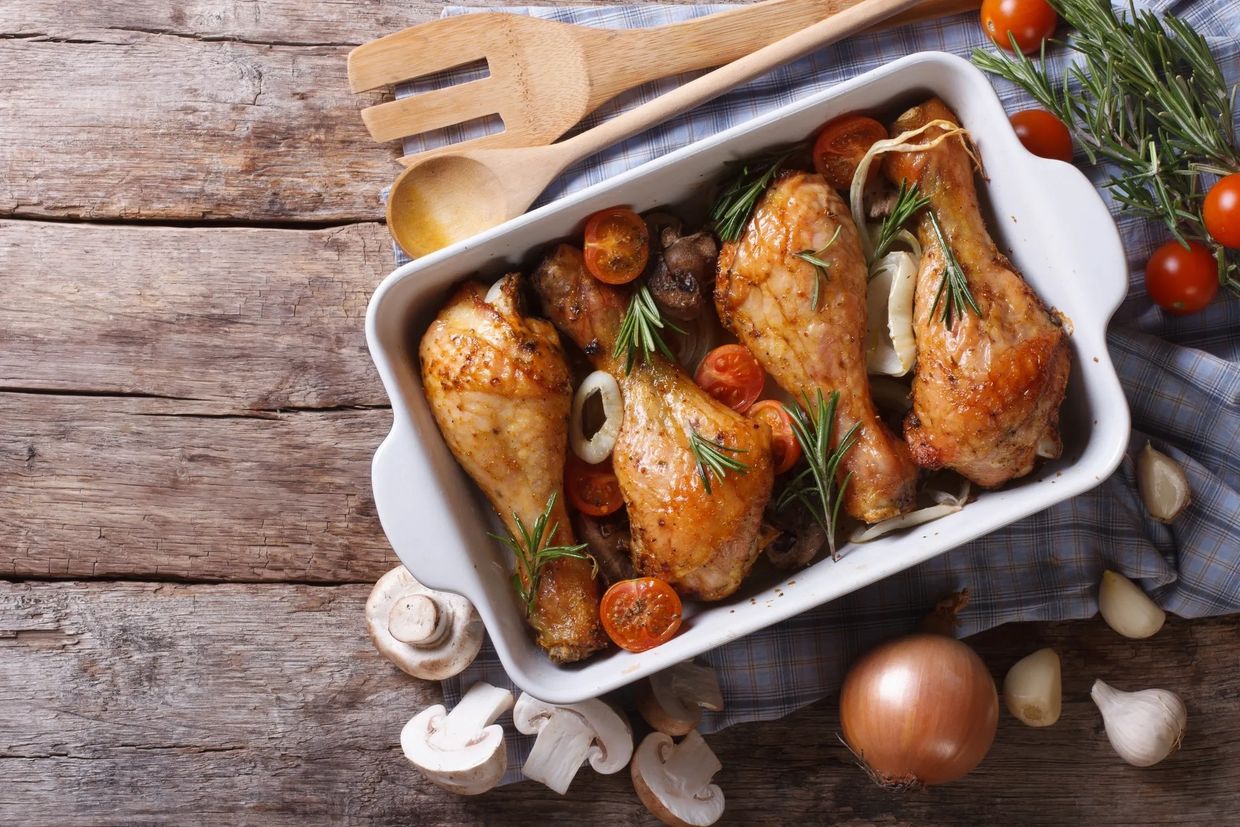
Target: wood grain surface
200,704
188,239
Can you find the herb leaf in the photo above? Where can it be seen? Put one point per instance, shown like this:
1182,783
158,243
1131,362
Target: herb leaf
736,200
639,330
1147,96
909,202
713,458
532,555
953,293
814,488
821,266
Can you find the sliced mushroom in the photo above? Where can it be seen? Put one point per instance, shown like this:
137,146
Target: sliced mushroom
570,734
461,751
672,701
428,634
609,539
681,273
673,780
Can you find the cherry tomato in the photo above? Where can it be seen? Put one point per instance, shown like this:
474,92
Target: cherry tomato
617,245
640,614
731,374
1030,21
1043,134
785,450
841,144
1222,211
592,489
1179,280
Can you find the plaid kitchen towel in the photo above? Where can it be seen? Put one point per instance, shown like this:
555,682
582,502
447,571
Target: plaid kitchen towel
1181,377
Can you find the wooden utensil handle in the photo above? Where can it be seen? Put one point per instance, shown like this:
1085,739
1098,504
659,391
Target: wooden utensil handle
696,92
716,39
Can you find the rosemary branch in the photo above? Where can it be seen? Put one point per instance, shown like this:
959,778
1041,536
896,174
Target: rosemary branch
712,458
532,554
909,202
821,265
639,330
953,293
1147,96
815,488
736,200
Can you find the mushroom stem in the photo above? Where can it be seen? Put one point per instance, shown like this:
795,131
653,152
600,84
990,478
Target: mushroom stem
482,702
418,621
693,761
562,747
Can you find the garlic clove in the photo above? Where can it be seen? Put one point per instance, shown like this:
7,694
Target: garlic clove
1033,689
1143,727
1162,484
1127,609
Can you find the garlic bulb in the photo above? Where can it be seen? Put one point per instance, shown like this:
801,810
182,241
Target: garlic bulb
1126,608
1144,727
1162,484
1032,689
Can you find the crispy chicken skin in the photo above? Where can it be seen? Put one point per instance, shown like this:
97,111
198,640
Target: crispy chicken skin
703,544
987,392
498,385
764,294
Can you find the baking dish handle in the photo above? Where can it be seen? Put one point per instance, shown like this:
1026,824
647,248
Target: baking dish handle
412,512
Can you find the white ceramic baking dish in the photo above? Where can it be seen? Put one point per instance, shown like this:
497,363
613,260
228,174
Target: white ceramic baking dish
1045,212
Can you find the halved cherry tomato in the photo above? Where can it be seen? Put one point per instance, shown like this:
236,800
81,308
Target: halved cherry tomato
1222,211
592,489
617,245
785,450
1043,134
640,614
731,374
1179,280
1029,21
840,146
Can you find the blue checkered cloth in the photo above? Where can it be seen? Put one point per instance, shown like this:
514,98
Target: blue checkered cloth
1181,377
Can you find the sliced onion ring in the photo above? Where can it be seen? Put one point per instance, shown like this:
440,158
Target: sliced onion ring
495,290
912,518
598,447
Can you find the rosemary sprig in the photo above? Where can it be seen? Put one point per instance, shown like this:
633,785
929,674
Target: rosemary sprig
532,555
739,195
909,202
821,266
639,330
712,458
1147,96
954,287
815,487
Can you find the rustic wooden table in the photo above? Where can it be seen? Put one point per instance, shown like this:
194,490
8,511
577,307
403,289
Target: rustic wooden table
190,231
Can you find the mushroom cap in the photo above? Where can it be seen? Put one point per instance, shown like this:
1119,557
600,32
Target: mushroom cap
612,746
672,701
677,801
449,622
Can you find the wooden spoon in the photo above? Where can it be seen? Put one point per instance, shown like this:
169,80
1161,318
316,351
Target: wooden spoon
445,198
545,76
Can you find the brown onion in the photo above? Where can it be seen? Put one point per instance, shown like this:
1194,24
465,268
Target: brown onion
919,710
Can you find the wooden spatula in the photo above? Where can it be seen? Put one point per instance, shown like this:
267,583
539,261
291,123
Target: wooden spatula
546,76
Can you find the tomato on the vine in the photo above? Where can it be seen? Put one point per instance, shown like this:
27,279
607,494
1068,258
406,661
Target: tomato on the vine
1182,280
732,375
1221,211
1043,134
640,614
592,489
1029,21
840,146
785,450
617,245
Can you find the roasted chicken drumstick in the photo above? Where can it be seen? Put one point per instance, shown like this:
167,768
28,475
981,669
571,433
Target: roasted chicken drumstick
987,390
702,543
498,385
765,293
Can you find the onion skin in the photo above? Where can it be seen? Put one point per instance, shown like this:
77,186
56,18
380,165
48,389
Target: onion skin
919,710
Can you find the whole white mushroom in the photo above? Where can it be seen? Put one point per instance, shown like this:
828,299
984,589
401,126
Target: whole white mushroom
568,735
428,634
461,751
